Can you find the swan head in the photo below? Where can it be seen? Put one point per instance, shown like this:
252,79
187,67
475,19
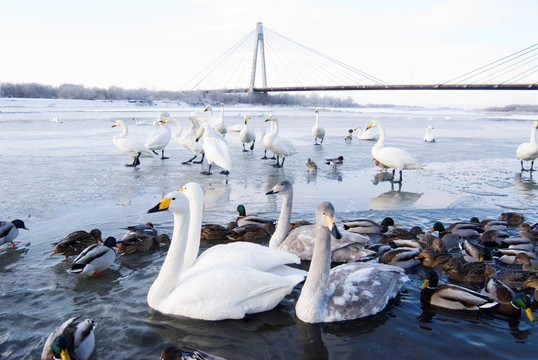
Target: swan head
200,131
246,119
372,124
325,217
207,108
283,187
271,118
117,123
175,201
163,116
193,191
317,111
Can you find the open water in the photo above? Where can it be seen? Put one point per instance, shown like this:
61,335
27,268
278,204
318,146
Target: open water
67,175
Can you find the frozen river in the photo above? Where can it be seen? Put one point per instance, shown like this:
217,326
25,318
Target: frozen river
67,175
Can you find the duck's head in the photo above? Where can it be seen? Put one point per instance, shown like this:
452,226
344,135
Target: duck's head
59,348
110,242
283,187
474,220
431,280
325,217
522,301
241,210
388,221
437,227
485,254
19,224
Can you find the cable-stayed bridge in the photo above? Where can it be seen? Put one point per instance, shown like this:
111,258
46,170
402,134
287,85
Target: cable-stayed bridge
265,61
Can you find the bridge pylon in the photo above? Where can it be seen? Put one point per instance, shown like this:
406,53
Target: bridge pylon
258,47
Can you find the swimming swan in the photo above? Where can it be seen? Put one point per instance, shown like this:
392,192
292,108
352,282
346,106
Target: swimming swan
220,284
349,291
392,157
129,146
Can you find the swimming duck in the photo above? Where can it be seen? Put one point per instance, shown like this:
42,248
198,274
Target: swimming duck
486,225
507,302
366,226
75,242
528,233
404,257
311,165
459,270
249,232
349,136
74,340
392,157
246,136
244,219
450,296
512,218
335,162
10,230
528,151
493,238
213,232
95,258
431,259
474,252
515,279
129,146
140,242
525,261
349,291
463,229
531,283
317,131
174,352
398,233
508,256
145,229
301,240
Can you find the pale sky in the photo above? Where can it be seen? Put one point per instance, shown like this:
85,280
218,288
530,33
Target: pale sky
163,44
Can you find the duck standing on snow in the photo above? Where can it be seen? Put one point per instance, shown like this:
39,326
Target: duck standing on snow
246,136
528,151
160,138
10,230
95,258
74,339
129,146
318,131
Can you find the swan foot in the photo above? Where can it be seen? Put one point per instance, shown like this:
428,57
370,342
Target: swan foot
164,157
201,161
206,173
225,172
136,162
245,150
252,146
188,162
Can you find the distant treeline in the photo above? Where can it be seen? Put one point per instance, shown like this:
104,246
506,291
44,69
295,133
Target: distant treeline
515,108
72,91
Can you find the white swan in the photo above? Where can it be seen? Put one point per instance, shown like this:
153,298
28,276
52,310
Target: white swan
129,146
429,137
317,131
217,122
266,136
392,157
278,145
365,135
160,138
246,136
219,284
300,241
188,140
346,292
215,150
528,151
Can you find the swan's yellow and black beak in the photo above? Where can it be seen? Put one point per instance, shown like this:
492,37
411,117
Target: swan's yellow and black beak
274,190
369,126
329,220
161,206
115,124
269,118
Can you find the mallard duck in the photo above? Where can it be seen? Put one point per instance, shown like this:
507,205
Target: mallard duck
404,257
508,303
248,232
397,233
10,230
349,291
493,238
140,242
463,229
528,233
244,219
146,229
366,226
531,283
431,259
311,166
74,340
520,243
74,243
213,232
486,225
452,296
508,256
512,218
525,261
459,270
437,244
95,258
299,223
474,252
175,352
515,279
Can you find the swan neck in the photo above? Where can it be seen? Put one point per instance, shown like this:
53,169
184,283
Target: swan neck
179,130
284,219
533,135
381,141
193,242
125,130
171,269
317,119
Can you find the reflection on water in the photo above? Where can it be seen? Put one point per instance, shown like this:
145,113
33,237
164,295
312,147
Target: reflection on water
525,184
394,199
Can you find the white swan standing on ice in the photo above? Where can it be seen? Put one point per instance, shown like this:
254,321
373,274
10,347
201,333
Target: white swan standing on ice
215,149
429,137
349,291
188,140
160,138
217,122
318,131
129,146
226,283
528,151
246,136
392,157
278,145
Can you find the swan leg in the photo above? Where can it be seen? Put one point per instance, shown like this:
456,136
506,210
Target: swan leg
264,155
252,146
135,161
277,165
208,172
532,166
201,161
244,150
316,141
190,160
321,142
225,172
162,155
